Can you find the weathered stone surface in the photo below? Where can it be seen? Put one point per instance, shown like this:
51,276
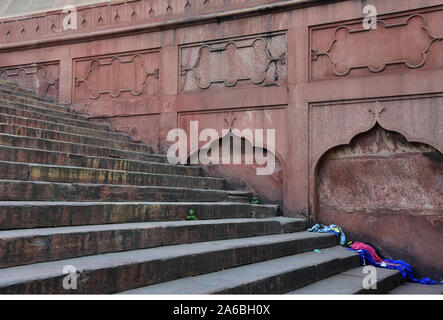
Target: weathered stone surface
18,91
17,154
14,190
274,276
11,109
68,147
39,106
114,272
351,282
28,214
49,125
70,137
52,173
21,247
417,288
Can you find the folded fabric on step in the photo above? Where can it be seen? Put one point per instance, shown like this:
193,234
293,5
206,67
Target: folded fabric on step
369,256
331,229
371,251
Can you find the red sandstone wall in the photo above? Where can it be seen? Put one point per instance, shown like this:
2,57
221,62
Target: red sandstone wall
305,68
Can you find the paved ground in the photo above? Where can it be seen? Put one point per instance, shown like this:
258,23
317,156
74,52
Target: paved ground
414,288
10,8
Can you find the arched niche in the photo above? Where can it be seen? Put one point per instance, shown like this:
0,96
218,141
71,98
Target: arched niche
383,189
268,188
380,169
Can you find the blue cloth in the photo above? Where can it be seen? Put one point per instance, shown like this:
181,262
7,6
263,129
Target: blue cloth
325,229
404,268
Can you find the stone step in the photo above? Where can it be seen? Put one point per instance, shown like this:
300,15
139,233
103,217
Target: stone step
34,106
47,125
352,282
44,214
9,91
240,193
417,288
20,247
12,129
65,174
275,276
13,86
35,102
14,111
239,199
76,148
121,271
17,154
18,94
13,190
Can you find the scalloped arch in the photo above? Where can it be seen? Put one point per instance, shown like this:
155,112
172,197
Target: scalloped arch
264,146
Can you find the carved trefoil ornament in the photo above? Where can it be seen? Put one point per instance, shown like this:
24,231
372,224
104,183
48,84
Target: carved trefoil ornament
250,61
406,42
133,74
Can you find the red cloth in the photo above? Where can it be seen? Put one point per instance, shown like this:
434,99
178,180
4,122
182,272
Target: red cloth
363,246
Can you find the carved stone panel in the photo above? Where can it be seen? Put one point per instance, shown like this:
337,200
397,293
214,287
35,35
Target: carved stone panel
335,124
249,61
117,76
42,77
411,41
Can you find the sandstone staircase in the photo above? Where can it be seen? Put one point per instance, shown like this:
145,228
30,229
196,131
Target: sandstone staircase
74,193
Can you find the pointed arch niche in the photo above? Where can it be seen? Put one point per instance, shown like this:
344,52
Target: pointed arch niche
240,120
377,171
268,188
380,171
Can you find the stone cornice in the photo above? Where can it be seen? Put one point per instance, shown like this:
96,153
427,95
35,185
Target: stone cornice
165,23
